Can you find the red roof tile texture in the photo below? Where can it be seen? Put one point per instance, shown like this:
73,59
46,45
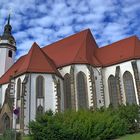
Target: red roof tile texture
119,51
79,48
75,49
36,61
12,71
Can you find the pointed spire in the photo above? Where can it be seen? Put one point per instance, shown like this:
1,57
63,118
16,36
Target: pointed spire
8,23
7,34
8,27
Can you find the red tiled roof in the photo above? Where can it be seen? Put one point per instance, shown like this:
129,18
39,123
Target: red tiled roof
119,51
75,49
80,48
35,61
12,71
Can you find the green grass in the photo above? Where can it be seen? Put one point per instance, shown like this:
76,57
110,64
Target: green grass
126,137
130,137
26,138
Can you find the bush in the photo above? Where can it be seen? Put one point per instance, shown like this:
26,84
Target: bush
101,124
10,135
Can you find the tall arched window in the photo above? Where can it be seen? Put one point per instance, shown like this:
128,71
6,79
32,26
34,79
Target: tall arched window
58,96
82,94
40,87
67,91
113,94
18,89
129,88
6,121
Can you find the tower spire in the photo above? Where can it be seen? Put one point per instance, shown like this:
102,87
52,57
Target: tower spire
7,34
8,20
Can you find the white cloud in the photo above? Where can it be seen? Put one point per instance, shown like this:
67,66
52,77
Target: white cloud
46,21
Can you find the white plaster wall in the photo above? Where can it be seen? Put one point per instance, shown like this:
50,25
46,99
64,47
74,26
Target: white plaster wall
3,54
5,61
64,70
125,66
50,99
3,89
9,61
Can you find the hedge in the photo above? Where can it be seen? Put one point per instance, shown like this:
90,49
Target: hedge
100,124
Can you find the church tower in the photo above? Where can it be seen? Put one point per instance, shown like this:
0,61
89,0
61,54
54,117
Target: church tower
7,48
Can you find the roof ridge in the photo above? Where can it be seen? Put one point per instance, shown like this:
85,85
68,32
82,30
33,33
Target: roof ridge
96,47
72,35
51,62
79,49
118,41
32,53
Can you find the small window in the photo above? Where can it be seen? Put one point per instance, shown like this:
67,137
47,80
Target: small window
100,101
39,110
10,53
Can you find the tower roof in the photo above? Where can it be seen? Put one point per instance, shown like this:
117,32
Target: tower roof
7,34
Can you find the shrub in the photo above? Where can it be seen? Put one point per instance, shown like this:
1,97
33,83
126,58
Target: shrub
101,124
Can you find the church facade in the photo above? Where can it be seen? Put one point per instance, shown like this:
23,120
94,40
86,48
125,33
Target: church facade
73,73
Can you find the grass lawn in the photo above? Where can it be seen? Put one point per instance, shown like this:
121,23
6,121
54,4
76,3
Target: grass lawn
130,137
127,137
26,138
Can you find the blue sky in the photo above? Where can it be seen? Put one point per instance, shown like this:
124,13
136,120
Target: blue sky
46,21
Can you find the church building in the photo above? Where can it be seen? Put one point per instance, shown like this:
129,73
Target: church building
72,73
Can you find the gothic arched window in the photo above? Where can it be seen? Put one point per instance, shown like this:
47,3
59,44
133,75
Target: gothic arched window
113,94
40,110
40,87
82,94
67,91
129,88
18,89
6,122
58,96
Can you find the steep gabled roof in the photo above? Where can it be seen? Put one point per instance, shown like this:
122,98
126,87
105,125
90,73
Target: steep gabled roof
75,49
37,61
79,48
119,51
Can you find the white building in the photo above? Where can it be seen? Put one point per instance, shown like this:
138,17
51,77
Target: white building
72,73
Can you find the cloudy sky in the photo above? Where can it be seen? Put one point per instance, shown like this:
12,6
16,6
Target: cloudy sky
46,21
